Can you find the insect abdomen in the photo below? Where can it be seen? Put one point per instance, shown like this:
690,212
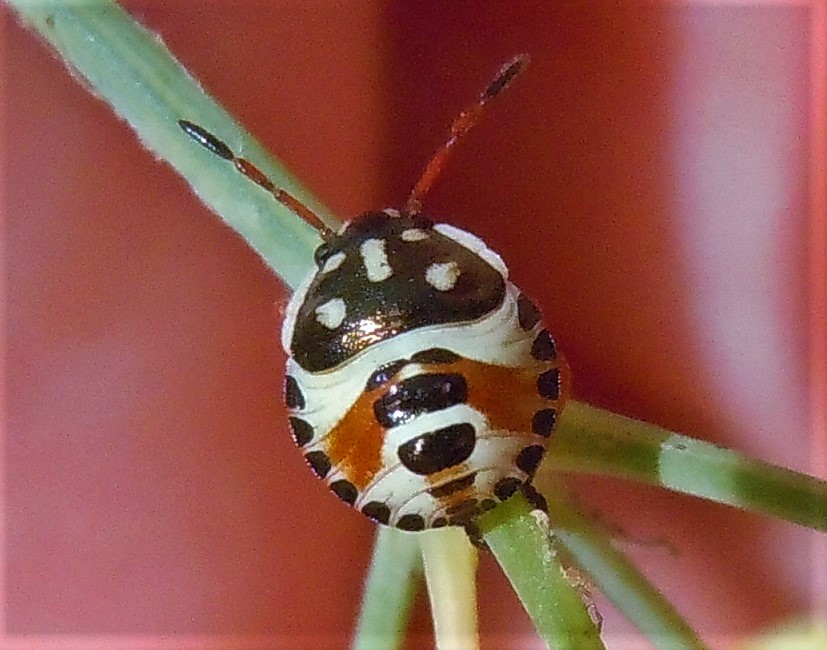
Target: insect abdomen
419,431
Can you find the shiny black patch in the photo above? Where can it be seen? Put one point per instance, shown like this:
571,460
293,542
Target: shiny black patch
345,490
435,355
437,450
543,347
548,384
507,486
529,458
404,302
414,396
410,522
302,431
384,374
543,422
527,312
457,485
293,396
377,511
319,463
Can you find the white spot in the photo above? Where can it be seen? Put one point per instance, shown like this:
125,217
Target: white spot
332,313
413,234
375,260
473,244
391,212
442,276
333,262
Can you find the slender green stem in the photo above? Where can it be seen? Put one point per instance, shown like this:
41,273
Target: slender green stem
450,573
531,558
389,591
600,442
132,70
615,575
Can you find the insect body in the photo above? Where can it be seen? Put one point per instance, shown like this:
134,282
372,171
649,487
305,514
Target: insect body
422,384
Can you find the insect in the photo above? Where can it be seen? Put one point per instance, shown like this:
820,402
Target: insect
422,385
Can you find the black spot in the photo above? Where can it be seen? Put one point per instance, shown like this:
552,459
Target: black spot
410,522
537,500
417,395
475,535
450,487
529,458
548,384
487,504
302,431
345,490
543,422
319,463
527,312
293,396
439,522
543,347
384,374
435,355
377,511
507,486
438,450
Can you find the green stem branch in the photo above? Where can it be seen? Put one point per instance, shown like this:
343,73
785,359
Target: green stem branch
132,70
389,590
595,441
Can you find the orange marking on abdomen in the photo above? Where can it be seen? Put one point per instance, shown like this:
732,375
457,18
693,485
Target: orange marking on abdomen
507,396
354,445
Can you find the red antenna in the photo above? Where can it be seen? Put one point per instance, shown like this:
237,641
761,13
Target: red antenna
248,169
460,126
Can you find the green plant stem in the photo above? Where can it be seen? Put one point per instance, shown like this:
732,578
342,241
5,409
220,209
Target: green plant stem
132,70
531,558
450,573
592,440
389,591
615,575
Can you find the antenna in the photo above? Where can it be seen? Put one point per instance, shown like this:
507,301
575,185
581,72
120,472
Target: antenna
248,169
464,122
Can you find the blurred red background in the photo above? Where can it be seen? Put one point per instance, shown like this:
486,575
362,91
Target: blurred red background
647,181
